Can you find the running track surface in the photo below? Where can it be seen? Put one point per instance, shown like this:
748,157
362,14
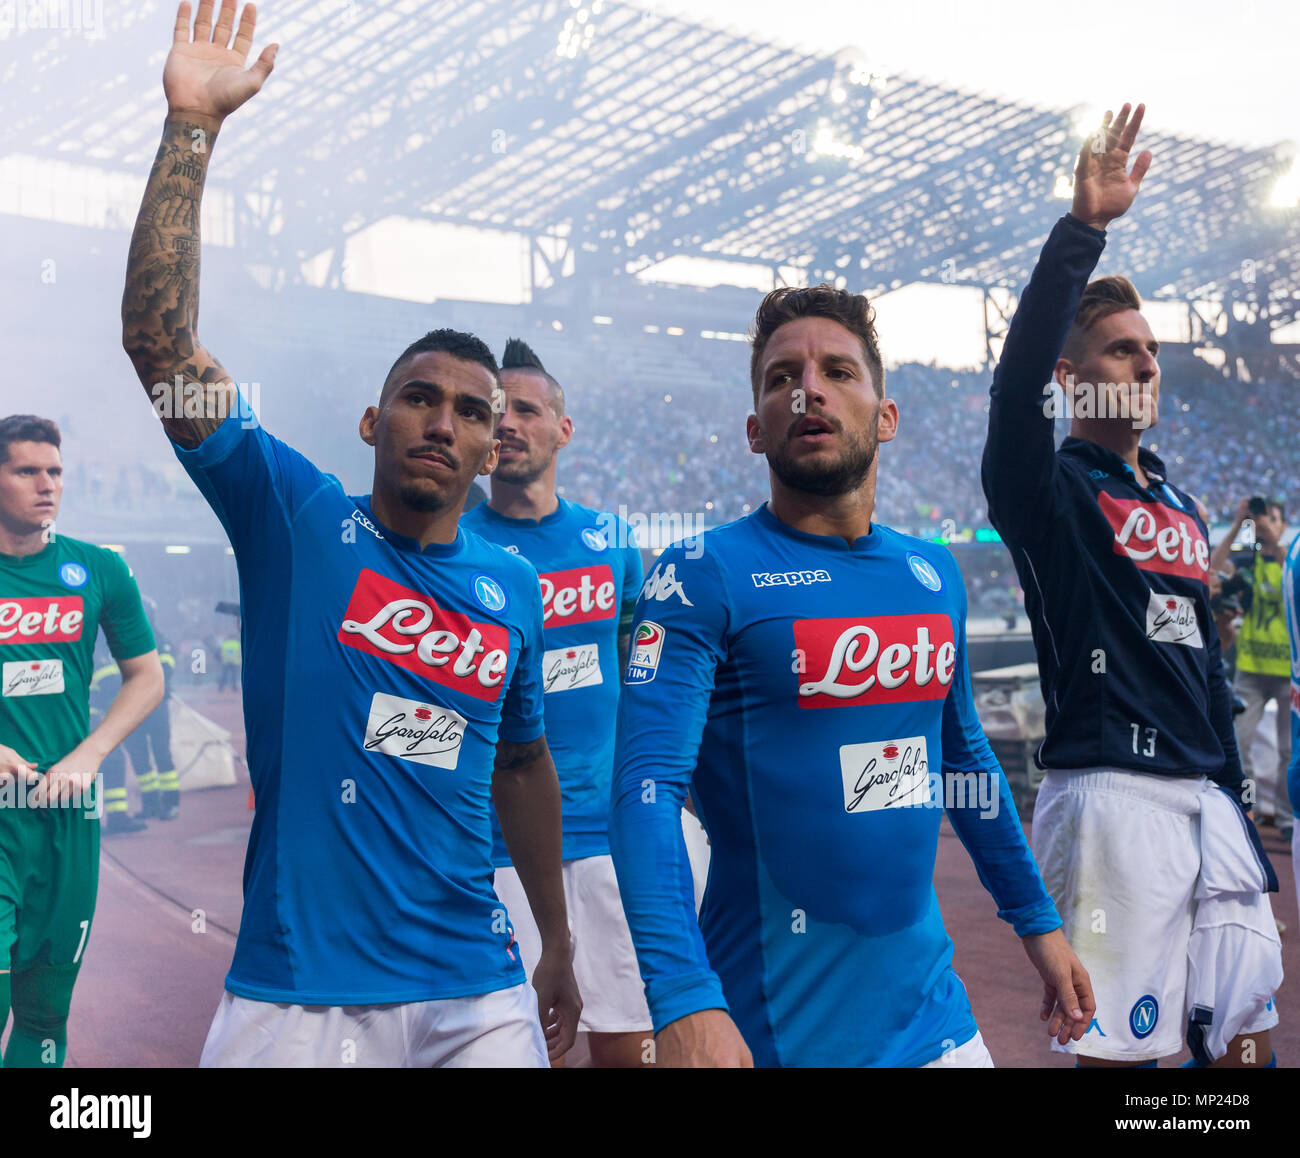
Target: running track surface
169,903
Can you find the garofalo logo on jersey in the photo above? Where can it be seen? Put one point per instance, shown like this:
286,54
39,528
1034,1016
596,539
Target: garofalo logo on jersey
426,733
579,595
36,677
879,659
406,628
41,619
1157,538
1172,619
567,668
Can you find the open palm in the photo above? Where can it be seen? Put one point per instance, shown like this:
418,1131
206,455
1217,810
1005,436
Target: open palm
1103,186
206,75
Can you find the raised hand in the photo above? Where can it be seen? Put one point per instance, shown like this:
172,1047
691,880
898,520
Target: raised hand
205,77
1103,186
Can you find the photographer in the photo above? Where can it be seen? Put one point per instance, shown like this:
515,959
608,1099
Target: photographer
1263,650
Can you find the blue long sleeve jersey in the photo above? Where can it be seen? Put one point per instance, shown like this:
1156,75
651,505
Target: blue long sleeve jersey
803,688
1114,574
1291,602
378,679
589,567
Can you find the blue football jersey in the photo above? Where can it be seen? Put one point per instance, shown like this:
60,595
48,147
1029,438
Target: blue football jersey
1291,602
589,568
814,696
377,678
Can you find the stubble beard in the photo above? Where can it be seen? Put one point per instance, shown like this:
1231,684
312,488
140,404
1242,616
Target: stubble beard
847,473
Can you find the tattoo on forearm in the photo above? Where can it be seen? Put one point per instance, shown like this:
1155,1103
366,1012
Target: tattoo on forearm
511,756
160,305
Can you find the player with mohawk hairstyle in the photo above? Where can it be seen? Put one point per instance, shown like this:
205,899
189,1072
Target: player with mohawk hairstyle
590,573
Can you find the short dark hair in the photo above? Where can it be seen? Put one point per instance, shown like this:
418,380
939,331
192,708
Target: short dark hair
789,303
27,428
453,342
1279,506
1101,298
518,355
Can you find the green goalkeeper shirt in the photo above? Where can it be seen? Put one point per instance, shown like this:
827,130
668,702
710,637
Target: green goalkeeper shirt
52,605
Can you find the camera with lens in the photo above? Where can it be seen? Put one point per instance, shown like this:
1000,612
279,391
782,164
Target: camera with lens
1235,593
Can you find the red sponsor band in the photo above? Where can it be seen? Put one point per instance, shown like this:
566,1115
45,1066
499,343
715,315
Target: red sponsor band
41,619
579,595
1156,537
878,659
393,622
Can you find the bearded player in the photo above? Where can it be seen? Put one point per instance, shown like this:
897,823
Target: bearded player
56,594
394,678
1140,826
803,672
590,572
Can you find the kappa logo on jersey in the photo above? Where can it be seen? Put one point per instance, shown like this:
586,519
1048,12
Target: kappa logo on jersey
358,516
566,668
594,538
926,574
662,584
889,774
880,659
73,574
1156,538
490,593
40,619
579,595
37,677
647,645
1172,619
383,618
1143,1016
426,733
788,578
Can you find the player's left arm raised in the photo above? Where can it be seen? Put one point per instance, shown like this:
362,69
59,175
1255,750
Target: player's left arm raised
526,792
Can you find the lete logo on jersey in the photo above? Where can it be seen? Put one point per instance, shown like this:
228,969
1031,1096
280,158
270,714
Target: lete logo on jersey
383,616
40,619
905,658
662,584
1156,538
578,595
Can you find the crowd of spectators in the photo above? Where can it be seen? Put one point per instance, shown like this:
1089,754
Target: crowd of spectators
660,428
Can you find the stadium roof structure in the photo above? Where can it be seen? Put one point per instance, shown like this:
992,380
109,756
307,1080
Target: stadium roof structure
617,137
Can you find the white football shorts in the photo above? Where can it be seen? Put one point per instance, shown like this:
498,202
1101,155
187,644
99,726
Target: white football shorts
492,1030
604,961
1160,891
973,1055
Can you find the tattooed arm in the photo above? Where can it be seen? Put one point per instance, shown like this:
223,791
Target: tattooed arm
204,81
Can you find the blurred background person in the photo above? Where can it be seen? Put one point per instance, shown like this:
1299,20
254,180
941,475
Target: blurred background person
1263,652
